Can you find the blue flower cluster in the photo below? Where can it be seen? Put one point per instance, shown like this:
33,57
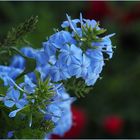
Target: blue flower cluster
76,51
16,98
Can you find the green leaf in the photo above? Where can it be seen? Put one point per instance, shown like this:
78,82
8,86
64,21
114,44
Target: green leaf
47,126
98,32
16,34
3,89
19,80
15,37
30,65
79,90
29,133
38,75
1,82
4,56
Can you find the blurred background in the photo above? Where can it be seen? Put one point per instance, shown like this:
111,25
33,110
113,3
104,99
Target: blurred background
112,109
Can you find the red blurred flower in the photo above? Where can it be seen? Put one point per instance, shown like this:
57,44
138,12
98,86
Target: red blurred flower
98,10
132,15
113,125
79,123
101,10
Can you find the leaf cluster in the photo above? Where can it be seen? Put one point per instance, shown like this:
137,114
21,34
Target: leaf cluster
77,87
89,35
13,38
19,125
17,34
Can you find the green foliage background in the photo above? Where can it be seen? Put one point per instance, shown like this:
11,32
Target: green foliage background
118,92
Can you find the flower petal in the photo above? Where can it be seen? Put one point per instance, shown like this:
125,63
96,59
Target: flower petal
21,103
13,113
9,103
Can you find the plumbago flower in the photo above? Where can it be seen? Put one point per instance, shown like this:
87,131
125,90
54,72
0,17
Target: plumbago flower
34,94
12,98
73,56
78,51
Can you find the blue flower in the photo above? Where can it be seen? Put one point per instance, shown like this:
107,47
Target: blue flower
79,68
95,54
54,111
67,24
108,45
8,73
74,25
13,113
44,71
38,54
96,65
10,134
18,62
28,85
90,23
32,77
59,72
105,45
59,111
29,51
96,59
41,58
69,54
64,124
91,79
13,98
58,40
49,49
